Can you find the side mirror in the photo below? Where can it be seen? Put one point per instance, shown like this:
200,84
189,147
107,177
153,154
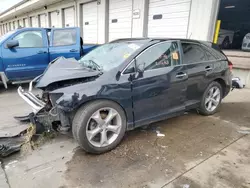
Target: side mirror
141,67
12,44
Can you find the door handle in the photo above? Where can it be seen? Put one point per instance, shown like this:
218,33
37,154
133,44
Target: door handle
73,50
208,68
41,52
181,75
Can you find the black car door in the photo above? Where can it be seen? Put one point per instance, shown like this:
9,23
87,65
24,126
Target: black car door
159,86
199,65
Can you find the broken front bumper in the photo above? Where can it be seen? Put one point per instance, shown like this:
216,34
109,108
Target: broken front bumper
35,103
30,98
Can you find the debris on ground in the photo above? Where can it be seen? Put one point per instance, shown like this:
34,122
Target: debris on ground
7,149
13,144
159,134
12,140
244,131
186,186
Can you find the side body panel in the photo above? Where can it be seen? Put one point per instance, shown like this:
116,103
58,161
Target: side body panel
158,94
104,87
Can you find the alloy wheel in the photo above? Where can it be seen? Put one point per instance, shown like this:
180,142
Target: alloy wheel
103,127
212,99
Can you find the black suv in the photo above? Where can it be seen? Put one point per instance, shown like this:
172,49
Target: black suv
128,83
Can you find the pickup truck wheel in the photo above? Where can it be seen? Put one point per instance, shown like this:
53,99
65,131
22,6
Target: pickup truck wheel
99,126
211,99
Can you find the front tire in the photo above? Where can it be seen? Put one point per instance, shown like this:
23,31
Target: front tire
211,99
99,126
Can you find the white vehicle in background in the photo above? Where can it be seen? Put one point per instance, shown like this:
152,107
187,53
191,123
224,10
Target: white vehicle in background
246,42
225,39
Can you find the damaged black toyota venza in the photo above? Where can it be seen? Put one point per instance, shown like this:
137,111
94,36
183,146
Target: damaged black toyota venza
126,84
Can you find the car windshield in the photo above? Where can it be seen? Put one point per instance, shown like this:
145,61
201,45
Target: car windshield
2,38
109,56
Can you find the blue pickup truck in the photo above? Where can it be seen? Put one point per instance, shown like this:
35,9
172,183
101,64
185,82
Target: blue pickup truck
25,53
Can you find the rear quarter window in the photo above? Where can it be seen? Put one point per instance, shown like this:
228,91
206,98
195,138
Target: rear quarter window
218,55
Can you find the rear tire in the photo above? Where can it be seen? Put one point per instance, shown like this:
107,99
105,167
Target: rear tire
211,99
99,126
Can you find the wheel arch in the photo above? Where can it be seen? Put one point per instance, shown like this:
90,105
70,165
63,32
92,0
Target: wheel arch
222,83
103,99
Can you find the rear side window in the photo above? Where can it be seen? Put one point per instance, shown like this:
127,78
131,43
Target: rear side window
193,53
65,37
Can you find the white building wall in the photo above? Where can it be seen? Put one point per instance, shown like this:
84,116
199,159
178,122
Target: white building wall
1,32
54,19
102,22
120,19
202,20
139,18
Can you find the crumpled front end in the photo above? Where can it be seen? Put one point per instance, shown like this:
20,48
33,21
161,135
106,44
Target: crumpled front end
46,116
61,73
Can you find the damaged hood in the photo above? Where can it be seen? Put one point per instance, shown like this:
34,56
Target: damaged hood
62,69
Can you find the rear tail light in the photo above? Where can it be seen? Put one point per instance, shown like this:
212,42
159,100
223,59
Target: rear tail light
230,64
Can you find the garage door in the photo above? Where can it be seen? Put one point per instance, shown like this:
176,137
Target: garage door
6,27
54,19
20,23
168,18
42,20
120,19
34,21
69,17
3,29
11,26
26,22
16,24
90,27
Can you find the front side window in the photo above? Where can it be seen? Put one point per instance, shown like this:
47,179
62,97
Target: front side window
65,37
111,55
30,39
159,56
193,53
